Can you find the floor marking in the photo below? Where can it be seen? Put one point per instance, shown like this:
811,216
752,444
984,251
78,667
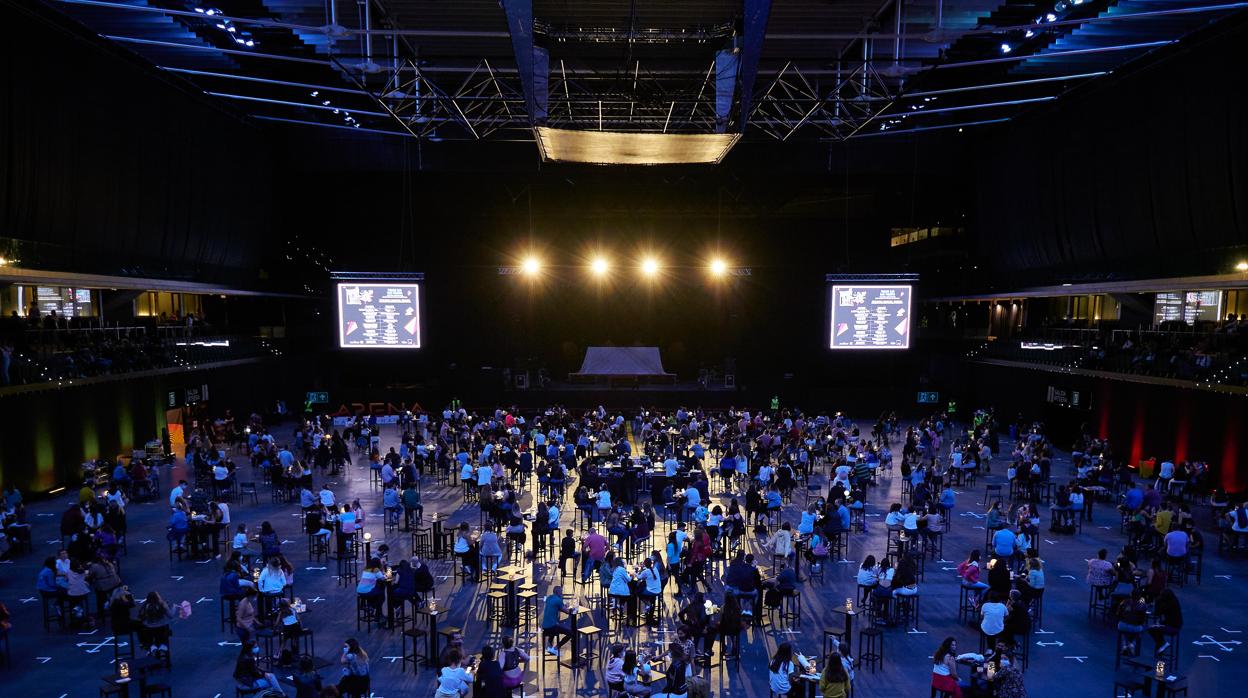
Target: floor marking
227,643
1208,656
1078,659
1105,527
1068,576
316,599
1224,645
203,562
946,569
392,659
106,642
146,542
1222,576
1233,632
29,600
178,578
285,542
979,528
313,569
54,542
203,599
45,660
916,631
47,514
1054,643
91,632
1046,540
1040,631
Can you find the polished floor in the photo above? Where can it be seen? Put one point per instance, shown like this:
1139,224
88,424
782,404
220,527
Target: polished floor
1069,655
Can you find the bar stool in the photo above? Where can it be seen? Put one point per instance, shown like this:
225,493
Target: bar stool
966,603
415,636
366,612
496,607
1128,686
51,603
248,489
791,607
816,571
229,605
871,648
422,542
906,608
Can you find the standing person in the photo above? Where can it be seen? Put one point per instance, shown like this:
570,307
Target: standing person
1169,619
355,678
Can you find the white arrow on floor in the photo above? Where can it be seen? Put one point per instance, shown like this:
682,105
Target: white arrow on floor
315,599
1078,659
177,578
313,569
946,569
47,515
392,659
203,599
1208,656
1222,576
1055,643
146,542
203,562
1039,631
29,600
54,542
916,631
227,643
1233,632
91,632
1046,540
43,660
1105,527
1068,576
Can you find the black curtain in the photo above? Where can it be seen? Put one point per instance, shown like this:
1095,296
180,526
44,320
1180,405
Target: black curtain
108,166
1144,174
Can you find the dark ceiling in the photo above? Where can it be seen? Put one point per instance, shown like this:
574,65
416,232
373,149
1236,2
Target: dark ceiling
805,69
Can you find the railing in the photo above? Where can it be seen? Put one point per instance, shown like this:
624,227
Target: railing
1217,362
115,354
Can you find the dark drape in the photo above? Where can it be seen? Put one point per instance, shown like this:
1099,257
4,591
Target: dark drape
1145,174
108,166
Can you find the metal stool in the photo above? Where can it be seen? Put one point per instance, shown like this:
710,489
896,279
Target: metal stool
229,605
871,648
906,608
496,607
791,607
366,612
416,636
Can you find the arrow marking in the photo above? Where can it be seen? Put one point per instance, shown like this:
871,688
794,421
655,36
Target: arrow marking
1208,656
1055,643
203,599
29,600
1068,576
227,643
178,578
1233,632
43,660
1078,659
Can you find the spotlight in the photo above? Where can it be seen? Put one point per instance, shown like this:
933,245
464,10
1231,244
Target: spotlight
599,266
650,266
531,266
719,267
1242,266
1006,48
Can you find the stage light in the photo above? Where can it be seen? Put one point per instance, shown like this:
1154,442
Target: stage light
599,266
1006,48
1242,266
719,267
531,265
650,266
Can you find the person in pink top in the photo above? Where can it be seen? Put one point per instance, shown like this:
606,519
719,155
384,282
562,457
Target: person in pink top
594,550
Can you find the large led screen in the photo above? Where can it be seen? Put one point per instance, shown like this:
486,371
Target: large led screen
379,316
870,316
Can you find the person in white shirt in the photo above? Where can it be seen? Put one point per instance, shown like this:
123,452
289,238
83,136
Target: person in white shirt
993,613
177,492
272,578
220,472
764,475
783,665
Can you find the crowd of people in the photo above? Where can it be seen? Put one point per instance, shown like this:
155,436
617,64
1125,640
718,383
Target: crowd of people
669,517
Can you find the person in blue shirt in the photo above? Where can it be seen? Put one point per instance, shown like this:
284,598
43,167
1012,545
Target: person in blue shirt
773,500
947,499
1134,498
842,513
1003,543
178,527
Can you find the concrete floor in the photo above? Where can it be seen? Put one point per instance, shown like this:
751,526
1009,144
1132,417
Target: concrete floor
1072,656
